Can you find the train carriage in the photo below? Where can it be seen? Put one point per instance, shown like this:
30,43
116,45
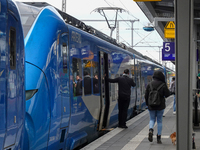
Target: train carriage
59,115
12,91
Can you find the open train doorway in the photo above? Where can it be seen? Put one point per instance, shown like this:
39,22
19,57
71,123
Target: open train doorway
104,98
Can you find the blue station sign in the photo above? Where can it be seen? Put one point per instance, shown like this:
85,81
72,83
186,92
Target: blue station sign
168,51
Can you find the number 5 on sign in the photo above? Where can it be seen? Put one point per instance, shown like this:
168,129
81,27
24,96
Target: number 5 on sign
169,47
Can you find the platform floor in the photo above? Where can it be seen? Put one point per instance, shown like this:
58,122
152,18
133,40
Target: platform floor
136,136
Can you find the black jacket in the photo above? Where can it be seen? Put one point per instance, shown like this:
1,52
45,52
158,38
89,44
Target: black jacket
78,88
124,84
87,84
158,79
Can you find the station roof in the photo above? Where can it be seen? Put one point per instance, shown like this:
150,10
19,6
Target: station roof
164,9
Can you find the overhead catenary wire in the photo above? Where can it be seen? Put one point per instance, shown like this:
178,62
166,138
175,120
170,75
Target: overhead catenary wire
128,23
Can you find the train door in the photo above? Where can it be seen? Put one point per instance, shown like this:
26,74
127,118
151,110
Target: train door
103,97
138,84
12,81
64,85
134,90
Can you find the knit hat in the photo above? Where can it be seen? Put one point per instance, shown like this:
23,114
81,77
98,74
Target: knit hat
198,75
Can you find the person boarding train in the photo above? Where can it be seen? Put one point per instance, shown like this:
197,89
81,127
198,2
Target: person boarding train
124,84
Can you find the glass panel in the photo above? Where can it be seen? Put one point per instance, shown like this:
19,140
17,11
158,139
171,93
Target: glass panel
12,44
95,66
77,75
28,15
64,53
87,78
102,73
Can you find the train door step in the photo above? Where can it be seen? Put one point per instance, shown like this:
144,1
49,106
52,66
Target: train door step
110,129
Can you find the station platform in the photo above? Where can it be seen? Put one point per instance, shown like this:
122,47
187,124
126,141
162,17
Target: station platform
135,137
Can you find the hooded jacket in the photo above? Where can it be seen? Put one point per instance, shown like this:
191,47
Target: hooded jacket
158,79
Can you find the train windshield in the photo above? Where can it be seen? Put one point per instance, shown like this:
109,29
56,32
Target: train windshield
28,15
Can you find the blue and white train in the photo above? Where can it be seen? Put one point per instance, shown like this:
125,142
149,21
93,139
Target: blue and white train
59,114
12,91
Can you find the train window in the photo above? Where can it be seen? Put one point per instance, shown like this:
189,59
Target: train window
64,53
87,78
95,66
77,75
12,44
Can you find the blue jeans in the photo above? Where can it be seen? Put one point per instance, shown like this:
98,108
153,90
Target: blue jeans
174,106
153,115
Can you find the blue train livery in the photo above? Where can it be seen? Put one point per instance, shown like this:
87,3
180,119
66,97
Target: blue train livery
12,91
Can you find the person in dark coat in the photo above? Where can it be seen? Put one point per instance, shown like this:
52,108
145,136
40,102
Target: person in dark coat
78,86
95,84
157,111
124,84
87,83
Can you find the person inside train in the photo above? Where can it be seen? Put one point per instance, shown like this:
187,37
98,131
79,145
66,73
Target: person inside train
95,84
156,111
124,83
78,85
87,83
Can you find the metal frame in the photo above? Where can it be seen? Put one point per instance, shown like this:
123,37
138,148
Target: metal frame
184,55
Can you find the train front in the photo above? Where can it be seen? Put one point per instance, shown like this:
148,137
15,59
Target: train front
46,118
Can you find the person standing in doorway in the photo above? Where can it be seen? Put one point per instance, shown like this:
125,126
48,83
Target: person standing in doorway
172,90
156,112
78,85
124,84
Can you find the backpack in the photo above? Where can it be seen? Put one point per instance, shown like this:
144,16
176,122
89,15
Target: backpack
154,98
172,88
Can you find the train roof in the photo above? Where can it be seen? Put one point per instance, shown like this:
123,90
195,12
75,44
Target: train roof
32,9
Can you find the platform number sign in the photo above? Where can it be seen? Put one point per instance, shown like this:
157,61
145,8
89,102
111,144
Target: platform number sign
168,51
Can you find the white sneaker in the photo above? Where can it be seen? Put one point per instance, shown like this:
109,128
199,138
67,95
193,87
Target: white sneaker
174,113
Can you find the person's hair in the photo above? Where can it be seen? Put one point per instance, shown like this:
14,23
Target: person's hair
126,71
85,73
173,78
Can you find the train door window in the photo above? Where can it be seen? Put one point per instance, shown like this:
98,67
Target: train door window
115,88
133,73
95,67
77,77
64,53
87,77
12,44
